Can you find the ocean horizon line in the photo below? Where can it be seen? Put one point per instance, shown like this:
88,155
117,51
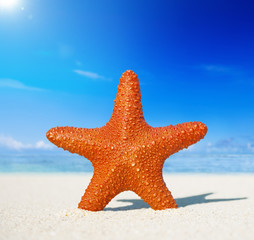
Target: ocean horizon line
178,163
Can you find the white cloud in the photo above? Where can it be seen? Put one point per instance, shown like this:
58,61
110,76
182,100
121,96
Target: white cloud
90,75
216,68
43,145
10,83
221,69
250,146
12,144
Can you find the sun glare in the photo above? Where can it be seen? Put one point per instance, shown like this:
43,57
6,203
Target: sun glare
8,3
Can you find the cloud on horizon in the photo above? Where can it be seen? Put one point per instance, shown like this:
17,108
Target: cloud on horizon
223,146
91,75
228,145
12,144
11,83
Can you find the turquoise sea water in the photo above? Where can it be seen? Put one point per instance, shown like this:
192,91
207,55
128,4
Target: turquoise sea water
178,163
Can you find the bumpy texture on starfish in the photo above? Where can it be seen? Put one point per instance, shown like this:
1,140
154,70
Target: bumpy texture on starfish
127,153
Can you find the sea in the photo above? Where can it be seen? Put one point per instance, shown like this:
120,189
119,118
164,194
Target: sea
178,163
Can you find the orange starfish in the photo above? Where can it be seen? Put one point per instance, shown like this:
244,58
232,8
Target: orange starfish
127,153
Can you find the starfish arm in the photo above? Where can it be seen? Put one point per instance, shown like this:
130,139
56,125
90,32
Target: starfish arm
99,192
154,192
172,139
83,141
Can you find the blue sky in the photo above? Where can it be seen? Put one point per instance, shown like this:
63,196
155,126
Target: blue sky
60,63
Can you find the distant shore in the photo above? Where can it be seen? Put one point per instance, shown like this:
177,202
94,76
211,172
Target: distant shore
182,162
44,206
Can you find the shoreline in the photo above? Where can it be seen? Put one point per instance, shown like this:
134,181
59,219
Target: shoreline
44,206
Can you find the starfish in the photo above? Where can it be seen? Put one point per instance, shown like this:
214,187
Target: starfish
127,153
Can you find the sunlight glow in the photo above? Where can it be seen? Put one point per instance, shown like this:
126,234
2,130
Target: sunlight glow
8,3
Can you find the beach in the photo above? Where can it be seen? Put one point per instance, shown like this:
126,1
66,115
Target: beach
44,206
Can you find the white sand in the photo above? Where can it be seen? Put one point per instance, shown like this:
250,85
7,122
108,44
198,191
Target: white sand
44,207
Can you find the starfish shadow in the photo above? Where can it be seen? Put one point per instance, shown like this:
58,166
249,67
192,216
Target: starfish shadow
136,204
181,202
200,199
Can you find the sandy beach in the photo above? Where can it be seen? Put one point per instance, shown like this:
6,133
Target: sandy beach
44,206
